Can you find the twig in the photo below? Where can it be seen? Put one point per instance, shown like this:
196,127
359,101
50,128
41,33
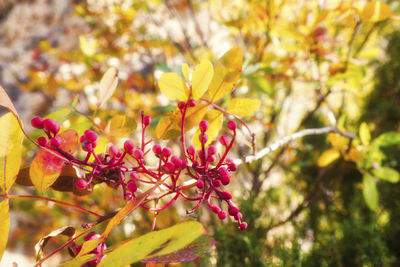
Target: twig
283,141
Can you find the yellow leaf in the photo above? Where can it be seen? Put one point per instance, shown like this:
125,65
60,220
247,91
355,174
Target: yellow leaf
339,142
4,225
108,84
226,74
10,150
365,134
328,157
88,47
173,87
243,106
214,118
117,127
375,11
185,71
201,78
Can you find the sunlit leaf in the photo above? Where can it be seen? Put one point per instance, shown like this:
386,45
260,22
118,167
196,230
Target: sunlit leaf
78,261
365,134
189,253
116,127
370,192
46,167
327,157
88,47
375,11
226,74
214,118
201,78
6,102
154,244
173,87
11,137
387,139
243,106
387,174
185,71
108,84
4,225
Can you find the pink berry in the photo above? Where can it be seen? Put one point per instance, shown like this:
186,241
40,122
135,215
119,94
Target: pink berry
166,152
211,159
132,186
81,184
224,140
226,195
225,180
216,183
92,236
203,138
223,172
176,161
202,154
243,226
181,105
37,123
129,146
82,139
90,136
212,150
222,215
42,141
192,103
232,125
138,154
157,149
114,151
134,176
51,126
232,210
146,120
169,166
129,196
215,209
200,184
238,216
191,150
232,167
55,141
87,146
203,125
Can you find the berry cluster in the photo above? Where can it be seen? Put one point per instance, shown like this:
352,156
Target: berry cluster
127,168
75,249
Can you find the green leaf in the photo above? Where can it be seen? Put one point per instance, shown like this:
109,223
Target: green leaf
4,225
261,84
173,86
154,244
365,134
387,174
78,261
11,137
60,115
387,139
201,78
370,192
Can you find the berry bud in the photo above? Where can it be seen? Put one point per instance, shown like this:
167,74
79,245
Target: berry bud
200,184
181,105
114,151
92,236
223,172
224,140
129,146
146,120
203,125
243,226
226,195
191,150
216,183
203,137
169,166
55,141
232,125
192,103
87,146
222,215
82,139
202,154
81,184
129,196
90,136
166,152
232,167
157,149
138,154
132,186
216,209
42,141
176,161
225,180
51,126
37,123
212,150
233,211
211,159
238,216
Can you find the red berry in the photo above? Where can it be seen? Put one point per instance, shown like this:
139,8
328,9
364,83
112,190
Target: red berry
233,211
87,146
202,154
211,159
56,141
82,139
223,172
129,146
166,152
176,161
224,140
192,103
238,216
157,149
92,236
51,126
212,150
138,154
203,125
243,226
222,215
181,105
191,150
129,196
134,176
215,209
200,184
216,183
225,180
132,186
232,125
169,166
81,184
226,195
203,137
90,135
42,141
114,151
146,120
37,123
232,167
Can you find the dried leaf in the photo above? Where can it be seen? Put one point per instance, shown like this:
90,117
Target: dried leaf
108,84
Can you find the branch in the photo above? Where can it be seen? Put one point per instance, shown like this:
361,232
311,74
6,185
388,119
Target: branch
283,141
